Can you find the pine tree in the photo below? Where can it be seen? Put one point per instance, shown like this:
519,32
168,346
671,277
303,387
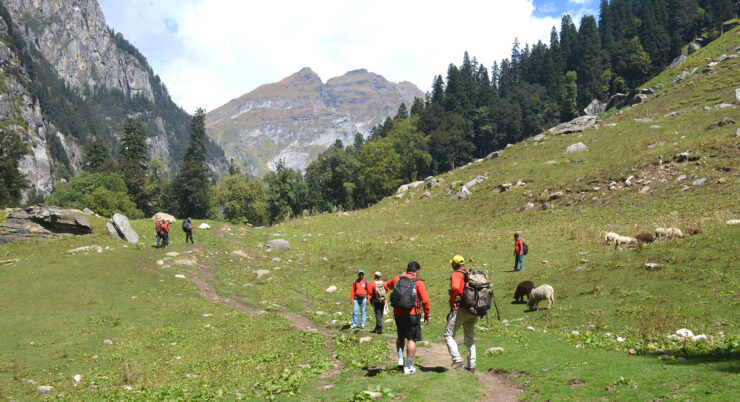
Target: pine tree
417,106
234,168
402,112
192,183
590,64
606,25
96,155
568,43
438,90
568,100
683,23
133,143
12,182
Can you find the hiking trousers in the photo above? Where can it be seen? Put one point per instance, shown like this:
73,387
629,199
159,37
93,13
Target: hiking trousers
359,308
455,320
519,259
160,238
189,236
378,308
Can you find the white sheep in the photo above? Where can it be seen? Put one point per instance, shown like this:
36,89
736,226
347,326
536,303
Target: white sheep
668,233
624,240
610,237
540,293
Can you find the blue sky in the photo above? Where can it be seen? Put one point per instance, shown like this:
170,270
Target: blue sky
211,51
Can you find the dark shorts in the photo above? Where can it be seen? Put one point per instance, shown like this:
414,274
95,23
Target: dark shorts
408,327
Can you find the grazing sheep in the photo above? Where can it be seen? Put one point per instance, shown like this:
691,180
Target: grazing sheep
610,237
693,230
645,238
624,240
668,233
543,292
523,289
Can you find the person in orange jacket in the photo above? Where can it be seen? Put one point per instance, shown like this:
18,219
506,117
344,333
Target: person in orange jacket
518,252
378,291
358,298
459,318
166,233
408,322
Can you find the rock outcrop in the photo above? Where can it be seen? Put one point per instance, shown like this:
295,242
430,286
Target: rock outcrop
41,222
279,244
161,215
576,125
120,228
295,119
594,108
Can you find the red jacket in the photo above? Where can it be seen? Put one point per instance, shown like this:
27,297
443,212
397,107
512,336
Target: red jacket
518,247
421,292
359,288
166,226
371,289
457,284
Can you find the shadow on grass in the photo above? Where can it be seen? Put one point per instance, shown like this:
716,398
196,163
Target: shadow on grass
728,362
374,371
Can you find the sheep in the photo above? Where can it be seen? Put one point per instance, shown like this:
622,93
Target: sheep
523,289
668,233
693,230
645,238
624,240
543,292
610,237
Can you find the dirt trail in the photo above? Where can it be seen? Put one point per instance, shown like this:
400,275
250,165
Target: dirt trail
496,386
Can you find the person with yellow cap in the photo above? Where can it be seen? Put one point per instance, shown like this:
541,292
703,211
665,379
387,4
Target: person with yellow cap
459,318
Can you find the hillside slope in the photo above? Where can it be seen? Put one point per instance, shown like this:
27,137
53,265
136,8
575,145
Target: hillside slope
300,116
215,320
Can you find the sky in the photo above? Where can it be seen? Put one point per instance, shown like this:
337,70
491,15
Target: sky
208,52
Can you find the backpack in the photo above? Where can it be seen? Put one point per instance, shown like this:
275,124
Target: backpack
379,293
186,226
158,227
404,295
477,294
525,249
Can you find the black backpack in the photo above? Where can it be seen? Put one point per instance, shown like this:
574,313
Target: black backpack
477,294
186,226
404,294
525,248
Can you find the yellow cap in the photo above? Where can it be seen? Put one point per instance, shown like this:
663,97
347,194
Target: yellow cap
457,260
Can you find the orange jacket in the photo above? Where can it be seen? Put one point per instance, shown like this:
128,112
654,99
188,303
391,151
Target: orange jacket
166,226
359,288
518,247
457,284
421,292
371,289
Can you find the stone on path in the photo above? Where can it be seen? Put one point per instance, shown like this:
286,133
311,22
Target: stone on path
181,276
107,342
373,395
261,272
279,244
331,289
44,389
172,254
366,339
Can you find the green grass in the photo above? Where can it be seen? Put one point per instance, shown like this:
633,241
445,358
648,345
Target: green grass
68,304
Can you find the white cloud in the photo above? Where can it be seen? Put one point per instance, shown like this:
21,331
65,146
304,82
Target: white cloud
221,49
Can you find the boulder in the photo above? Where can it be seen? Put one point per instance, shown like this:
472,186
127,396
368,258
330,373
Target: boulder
555,195
279,244
44,389
41,222
699,182
373,395
261,272
431,183
545,206
726,121
677,61
474,182
577,147
505,187
684,74
647,91
204,226
644,120
89,212
112,231
733,222
616,100
462,194
123,228
737,94
693,47
493,155
639,98
425,194
528,206
402,189
331,289
595,107
366,339
737,133
682,157
161,215
576,125
539,137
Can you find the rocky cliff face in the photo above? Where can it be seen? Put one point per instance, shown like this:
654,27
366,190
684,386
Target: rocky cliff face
68,41
73,36
297,118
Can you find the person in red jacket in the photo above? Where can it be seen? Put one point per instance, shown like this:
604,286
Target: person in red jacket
459,318
166,233
518,252
378,290
408,322
359,299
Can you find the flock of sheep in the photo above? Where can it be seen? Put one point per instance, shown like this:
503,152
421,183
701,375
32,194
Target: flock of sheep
546,292
660,233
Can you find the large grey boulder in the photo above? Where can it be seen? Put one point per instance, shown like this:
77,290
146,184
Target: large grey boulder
462,194
616,100
595,107
279,244
41,222
494,154
123,229
577,147
576,125
677,61
682,76
693,47
639,98
112,231
474,182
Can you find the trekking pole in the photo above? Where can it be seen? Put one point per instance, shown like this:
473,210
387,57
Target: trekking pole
493,296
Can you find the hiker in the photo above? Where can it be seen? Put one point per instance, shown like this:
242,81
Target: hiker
158,229
459,317
187,226
518,253
165,233
378,289
408,298
359,299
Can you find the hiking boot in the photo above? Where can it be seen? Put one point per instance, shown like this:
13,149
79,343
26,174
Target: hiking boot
471,369
409,369
362,327
352,327
380,332
457,366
